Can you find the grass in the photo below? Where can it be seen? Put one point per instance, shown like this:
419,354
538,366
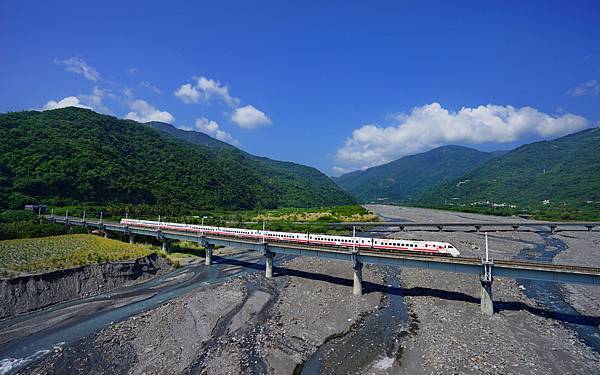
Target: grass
33,255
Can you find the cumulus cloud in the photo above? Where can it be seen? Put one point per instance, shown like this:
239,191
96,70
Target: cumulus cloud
93,101
248,117
79,66
205,89
142,111
212,128
587,88
69,101
432,126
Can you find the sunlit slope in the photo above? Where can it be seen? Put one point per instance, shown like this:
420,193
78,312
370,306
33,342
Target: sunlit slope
73,156
561,171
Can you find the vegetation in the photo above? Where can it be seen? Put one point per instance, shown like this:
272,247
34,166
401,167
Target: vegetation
406,179
25,224
74,156
59,252
557,179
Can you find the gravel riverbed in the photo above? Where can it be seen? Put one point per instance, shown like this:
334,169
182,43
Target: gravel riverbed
251,324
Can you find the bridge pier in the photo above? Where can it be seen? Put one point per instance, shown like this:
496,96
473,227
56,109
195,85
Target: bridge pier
487,304
131,238
478,228
357,268
209,253
105,233
165,245
515,228
269,264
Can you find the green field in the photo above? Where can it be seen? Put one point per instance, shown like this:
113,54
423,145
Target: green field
33,255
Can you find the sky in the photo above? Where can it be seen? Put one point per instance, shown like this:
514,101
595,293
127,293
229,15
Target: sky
338,85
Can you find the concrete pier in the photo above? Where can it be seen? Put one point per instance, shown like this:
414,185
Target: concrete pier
165,245
269,264
357,268
131,238
105,234
487,304
209,254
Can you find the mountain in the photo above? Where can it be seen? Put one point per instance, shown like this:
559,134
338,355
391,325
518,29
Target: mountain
190,136
72,156
562,171
406,179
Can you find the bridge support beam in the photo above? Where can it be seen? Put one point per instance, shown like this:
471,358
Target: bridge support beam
209,253
487,304
269,264
357,268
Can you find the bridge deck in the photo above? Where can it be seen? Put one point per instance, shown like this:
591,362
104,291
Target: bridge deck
501,268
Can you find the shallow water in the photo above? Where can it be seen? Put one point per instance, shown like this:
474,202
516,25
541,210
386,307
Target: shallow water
552,296
131,300
374,341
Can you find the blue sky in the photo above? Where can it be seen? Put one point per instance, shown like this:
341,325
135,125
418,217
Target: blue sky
336,85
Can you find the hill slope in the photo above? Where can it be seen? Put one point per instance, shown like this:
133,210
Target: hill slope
565,170
73,155
406,179
190,136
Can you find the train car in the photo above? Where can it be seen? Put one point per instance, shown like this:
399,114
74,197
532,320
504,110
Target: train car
364,243
326,240
237,232
426,247
284,236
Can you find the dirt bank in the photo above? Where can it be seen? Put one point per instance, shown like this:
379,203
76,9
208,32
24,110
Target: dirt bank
247,325
27,293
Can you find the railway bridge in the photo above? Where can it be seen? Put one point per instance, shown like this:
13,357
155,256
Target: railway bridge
487,269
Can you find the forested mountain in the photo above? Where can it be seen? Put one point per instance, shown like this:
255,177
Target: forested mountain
406,179
565,171
75,156
190,136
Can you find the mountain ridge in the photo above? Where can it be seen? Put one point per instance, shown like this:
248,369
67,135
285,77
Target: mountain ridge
76,156
405,179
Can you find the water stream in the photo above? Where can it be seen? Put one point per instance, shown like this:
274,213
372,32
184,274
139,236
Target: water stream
552,296
94,313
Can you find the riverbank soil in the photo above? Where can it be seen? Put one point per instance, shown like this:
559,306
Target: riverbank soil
524,336
248,325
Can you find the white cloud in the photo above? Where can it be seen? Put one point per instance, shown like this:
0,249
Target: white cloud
337,171
249,117
133,70
79,66
205,89
142,111
187,93
93,101
69,101
590,87
212,128
432,126
150,86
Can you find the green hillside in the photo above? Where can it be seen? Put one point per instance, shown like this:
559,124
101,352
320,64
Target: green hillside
406,179
190,136
73,156
564,172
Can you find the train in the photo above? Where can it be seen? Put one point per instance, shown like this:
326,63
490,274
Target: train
360,243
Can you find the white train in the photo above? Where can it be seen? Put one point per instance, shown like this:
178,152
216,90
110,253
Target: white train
362,243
